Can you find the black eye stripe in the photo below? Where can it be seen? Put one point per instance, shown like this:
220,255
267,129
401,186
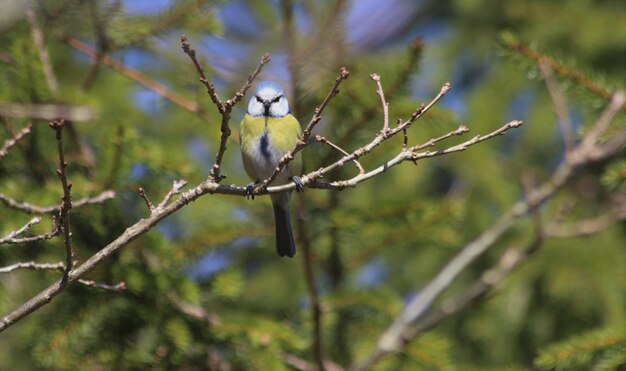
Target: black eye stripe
277,99
258,99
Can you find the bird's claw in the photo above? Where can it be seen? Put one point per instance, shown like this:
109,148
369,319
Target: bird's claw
298,182
250,190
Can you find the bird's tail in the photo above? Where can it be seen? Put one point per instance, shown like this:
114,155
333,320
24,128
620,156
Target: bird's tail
284,237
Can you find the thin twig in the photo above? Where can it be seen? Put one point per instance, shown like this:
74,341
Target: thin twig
103,286
325,140
66,206
34,209
11,236
142,194
13,141
177,185
60,266
559,104
415,51
210,87
303,140
460,131
381,94
381,137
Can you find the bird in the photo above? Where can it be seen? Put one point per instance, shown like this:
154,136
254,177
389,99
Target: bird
268,131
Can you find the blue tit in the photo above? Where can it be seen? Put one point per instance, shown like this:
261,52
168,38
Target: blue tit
268,131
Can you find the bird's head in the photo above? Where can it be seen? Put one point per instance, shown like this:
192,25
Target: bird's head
268,100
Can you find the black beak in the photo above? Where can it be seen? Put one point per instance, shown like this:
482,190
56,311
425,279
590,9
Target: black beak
266,106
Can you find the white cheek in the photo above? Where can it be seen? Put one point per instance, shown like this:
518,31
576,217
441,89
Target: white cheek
280,108
255,108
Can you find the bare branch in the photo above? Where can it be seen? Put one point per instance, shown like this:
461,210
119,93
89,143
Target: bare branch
103,286
381,94
66,206
177,185
302,142
325,140
223,108
11,236
56,230
60,266
415,51
402,330
13,141
460,131
131,233
210,88
142,194
33,209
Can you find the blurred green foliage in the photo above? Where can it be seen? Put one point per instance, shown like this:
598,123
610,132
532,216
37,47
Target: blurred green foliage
205,289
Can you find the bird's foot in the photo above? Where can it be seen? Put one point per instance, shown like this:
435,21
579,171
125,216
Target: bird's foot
250,190
298,182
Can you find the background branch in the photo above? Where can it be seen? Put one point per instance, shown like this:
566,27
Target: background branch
13,141
34,209
401,331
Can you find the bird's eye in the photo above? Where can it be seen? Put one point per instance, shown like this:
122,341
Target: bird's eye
258,99
277,99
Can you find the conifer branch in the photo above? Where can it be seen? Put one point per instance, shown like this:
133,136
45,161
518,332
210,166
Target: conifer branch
561,69
564,354
403,328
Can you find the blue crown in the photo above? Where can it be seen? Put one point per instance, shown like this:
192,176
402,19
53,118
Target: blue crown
270,85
